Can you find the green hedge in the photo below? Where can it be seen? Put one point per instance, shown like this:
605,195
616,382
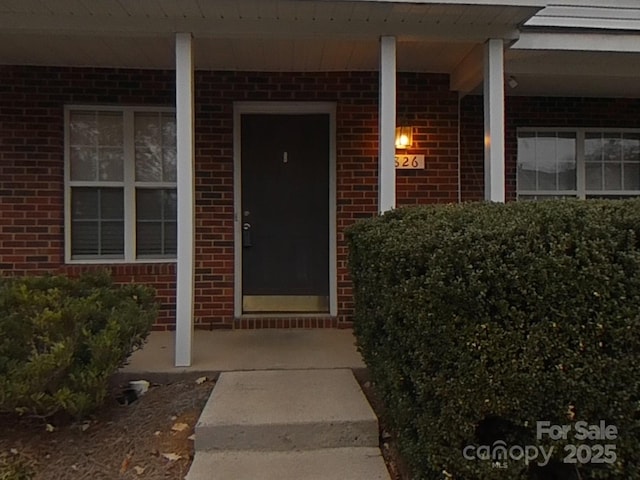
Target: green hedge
479,320
61,339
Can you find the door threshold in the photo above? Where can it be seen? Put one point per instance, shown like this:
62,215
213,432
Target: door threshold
279,304
286,321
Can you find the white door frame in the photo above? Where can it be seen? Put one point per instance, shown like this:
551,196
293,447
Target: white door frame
240,108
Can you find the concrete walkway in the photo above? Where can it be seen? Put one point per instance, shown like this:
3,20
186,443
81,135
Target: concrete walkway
286,405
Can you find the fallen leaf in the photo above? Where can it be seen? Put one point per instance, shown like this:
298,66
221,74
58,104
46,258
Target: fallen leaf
201,380
139,470
14,451
125,464
179,427
157,433
172,457
192,437
50,428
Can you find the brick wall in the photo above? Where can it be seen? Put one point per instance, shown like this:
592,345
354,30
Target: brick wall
427,103
31,166
532,112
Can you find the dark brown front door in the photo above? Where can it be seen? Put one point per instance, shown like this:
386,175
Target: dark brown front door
285,212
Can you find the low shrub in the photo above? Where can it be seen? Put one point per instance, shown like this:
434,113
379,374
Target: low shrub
478,321
61,339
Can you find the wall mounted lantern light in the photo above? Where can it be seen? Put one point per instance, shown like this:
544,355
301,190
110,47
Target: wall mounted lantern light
404,137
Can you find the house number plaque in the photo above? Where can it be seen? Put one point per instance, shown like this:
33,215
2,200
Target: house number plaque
411,162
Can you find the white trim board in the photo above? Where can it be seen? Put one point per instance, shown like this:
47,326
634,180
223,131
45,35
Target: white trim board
240,108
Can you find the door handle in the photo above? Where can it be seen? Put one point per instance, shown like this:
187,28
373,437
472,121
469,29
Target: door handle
246,235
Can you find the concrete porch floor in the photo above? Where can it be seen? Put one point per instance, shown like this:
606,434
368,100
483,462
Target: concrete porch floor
235,350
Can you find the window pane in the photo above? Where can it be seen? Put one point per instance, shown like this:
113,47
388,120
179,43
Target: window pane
156,222
170,204
169,129
593,176
111,203
111,164
612,177
170,163
546,162
566,157
155,140
110,129
149,239
83,163
170,238
148,141
112,238
593,147
612,147
526,162
566,176
632,176
148,204
97,222
84,238
169,147
84,203
83,128
631,147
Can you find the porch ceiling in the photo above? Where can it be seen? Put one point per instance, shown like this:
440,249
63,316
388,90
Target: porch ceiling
278,35
308,35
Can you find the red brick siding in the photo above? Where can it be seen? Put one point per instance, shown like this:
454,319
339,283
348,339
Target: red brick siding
427,104
533,112
31,166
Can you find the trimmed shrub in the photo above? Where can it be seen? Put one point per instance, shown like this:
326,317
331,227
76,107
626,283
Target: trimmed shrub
61,339
478,321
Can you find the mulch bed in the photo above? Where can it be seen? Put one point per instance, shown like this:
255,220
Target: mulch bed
150,439
147,439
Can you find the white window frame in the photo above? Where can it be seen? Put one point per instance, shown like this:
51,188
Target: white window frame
581,191
128,184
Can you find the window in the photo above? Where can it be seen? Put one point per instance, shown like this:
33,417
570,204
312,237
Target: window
583,163
121,184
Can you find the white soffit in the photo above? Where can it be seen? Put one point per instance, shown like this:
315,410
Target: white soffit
578,41
282,18
306,35
612,15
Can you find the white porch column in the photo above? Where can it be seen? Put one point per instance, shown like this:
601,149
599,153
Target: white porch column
387,125
186,198
494,121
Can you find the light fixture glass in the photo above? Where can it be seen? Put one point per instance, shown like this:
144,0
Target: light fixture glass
404,137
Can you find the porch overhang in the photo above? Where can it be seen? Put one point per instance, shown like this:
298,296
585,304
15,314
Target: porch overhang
253,35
